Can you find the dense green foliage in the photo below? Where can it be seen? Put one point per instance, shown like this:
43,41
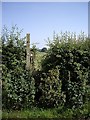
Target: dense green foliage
18,84
72,57
62,77
48,89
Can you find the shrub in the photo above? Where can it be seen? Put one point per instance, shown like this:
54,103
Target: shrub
18,84
18,92
73,61
49,89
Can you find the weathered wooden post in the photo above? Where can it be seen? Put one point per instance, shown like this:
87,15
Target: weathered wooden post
28,51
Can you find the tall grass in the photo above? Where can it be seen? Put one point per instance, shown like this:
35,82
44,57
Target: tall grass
60,112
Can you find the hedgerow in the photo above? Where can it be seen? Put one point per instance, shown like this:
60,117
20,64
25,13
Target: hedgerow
18,83
73,60
64,77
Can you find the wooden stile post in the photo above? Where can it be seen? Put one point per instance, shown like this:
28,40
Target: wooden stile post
28,51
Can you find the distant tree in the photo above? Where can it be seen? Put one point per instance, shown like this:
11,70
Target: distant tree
44,49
